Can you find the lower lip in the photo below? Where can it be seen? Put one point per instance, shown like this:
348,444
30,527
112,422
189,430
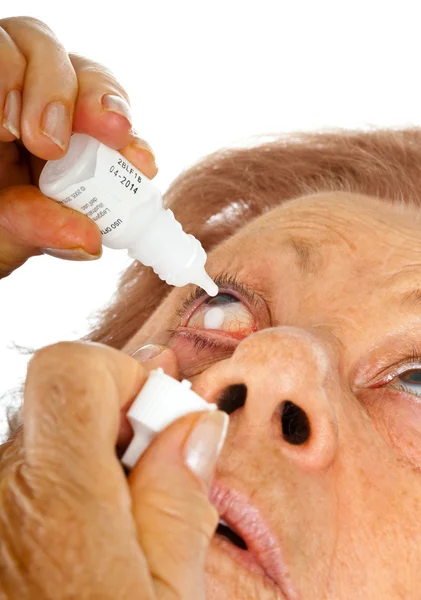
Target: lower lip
245,558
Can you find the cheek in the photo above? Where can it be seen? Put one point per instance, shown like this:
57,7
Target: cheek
398,418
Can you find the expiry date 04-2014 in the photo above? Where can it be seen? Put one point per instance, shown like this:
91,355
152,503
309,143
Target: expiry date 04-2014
124,179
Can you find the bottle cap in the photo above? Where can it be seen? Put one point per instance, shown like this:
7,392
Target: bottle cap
78,164
161,401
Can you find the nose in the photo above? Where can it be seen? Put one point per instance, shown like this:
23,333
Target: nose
282,383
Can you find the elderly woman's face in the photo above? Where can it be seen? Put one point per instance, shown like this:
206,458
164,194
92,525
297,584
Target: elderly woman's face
319,308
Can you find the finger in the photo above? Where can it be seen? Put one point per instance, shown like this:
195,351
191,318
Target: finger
12,75
174,518
103,111
30,221
77,489
50,88
141,155
151,357
72,400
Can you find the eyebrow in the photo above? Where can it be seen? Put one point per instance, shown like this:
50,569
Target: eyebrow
308,258
411,298
307,253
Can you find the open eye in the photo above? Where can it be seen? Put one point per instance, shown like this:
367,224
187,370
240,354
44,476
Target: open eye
409,381
224,313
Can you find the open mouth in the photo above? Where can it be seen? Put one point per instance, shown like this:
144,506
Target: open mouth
230,541
243,533
227,532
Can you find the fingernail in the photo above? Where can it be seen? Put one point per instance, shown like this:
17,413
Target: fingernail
12,110
147,352
71,254
203,446
55,123
118,105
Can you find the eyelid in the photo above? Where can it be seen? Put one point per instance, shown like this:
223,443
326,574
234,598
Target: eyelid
208,349
387,375
397,350
227,284
227,340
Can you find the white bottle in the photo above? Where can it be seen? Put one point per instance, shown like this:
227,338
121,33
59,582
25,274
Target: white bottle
161,401
100,183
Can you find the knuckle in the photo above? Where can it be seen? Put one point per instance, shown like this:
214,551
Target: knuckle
26,21
94,74
8,21
70,377
86,65
77,366
64,353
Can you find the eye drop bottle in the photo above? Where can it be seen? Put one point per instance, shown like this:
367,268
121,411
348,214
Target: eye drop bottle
100,183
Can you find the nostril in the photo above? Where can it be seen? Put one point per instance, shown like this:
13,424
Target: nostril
295,424
232,397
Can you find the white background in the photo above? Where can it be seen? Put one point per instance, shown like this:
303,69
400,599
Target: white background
201,75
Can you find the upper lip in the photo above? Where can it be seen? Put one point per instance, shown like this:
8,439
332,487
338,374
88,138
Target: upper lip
246,520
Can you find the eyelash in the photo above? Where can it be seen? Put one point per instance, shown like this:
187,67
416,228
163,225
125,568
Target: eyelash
395,371
398,370
226,282
198,342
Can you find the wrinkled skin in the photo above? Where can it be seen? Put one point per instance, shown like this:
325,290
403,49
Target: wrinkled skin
71,523
339,335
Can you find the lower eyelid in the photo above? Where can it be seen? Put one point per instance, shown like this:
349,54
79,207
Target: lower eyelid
195,353
218,338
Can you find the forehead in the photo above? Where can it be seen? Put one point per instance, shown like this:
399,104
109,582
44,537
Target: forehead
322,233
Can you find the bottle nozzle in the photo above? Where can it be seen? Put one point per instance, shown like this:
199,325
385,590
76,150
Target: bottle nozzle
206,283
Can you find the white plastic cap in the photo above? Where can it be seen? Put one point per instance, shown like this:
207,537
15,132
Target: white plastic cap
161,401
78,164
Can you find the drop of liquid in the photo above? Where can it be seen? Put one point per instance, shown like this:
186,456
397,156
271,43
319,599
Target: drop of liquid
214,318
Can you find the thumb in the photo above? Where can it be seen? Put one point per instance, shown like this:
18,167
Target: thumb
175,520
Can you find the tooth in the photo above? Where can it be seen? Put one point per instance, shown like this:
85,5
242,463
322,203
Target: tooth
222,522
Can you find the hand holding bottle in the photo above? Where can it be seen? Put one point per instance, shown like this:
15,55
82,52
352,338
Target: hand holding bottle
45,95
99,182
